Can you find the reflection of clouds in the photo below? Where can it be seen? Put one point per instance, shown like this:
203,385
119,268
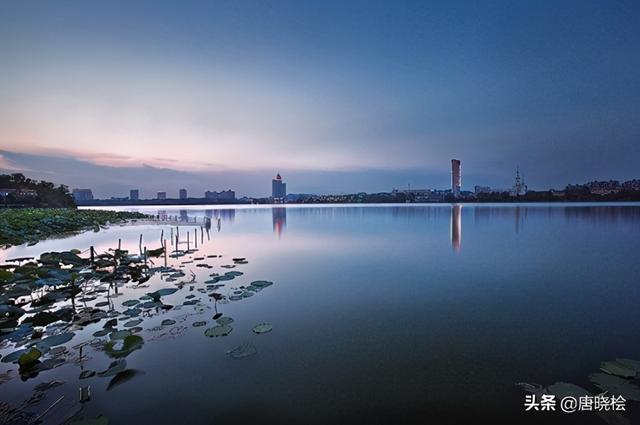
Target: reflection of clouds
456,227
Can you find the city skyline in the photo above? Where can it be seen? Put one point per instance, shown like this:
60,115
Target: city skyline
340,97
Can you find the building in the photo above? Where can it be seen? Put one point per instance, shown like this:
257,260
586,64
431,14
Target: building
482,189
82,194
134,194
278,189
519,187
7,192
604,187
162,195
224,196
183,193
456,177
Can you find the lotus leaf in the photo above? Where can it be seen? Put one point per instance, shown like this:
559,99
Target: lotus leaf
217,331
263,328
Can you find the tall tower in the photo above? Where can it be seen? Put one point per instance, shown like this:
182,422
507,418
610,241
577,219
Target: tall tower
456,177
278,189
519,188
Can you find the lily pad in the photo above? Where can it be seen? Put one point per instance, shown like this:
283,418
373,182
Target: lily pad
261,283
617,368
114,368
45,386
226,320
122,348
565,389
616,385
168,322
130,303
29,358
242,351
263,328
217,331
87,374
631,364
59,339
122,377
199,324
12,357
132,323
132,312
119,334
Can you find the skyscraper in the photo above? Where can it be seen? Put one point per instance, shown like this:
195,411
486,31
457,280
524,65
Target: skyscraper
456,178
134,194
278,189
183,193
162,195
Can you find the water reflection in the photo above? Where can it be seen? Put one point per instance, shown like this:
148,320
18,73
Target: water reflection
279,218
456,227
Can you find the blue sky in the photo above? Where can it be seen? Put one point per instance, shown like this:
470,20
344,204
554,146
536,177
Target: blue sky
338,96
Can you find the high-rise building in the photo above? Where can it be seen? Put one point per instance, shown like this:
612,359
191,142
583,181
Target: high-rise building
134,194
162,195
456,177
278,189
82,194
183,193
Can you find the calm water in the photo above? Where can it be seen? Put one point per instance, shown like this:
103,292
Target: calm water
381,314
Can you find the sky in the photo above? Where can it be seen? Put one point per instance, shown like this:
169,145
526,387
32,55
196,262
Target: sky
339,97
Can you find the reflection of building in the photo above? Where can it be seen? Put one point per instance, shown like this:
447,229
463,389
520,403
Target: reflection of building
134,194
226,214
183,193
278,189
82,194
225,195
456,227
456,178
279,217
162,195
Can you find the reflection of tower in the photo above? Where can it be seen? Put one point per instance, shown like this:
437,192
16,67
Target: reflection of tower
279,217
456,178
456,227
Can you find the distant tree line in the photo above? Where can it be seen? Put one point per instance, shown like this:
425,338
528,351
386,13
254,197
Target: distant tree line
570,194
34,193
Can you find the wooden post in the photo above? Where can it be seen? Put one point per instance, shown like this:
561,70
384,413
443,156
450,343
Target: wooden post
140,244
201,235
145,255
92,256
164,245
195,236
161,236
187,241
119,244
172,236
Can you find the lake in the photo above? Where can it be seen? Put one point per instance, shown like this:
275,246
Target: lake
381,314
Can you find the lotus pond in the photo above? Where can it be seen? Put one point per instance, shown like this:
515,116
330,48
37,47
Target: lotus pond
345,314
